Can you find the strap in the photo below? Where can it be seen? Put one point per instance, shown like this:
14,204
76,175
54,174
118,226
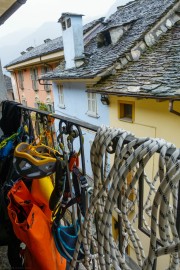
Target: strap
60,181
80,185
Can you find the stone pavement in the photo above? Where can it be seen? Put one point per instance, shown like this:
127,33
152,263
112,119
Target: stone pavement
4,265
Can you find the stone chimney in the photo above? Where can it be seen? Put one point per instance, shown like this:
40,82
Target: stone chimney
72,32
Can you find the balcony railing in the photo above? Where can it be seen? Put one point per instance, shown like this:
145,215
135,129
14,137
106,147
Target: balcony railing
132,209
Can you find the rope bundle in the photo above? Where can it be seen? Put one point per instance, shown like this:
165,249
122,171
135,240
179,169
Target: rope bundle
131,156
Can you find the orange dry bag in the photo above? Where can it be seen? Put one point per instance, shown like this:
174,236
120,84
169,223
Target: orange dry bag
33,228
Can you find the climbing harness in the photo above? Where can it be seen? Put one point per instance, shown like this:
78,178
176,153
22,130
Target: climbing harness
71,185
66,236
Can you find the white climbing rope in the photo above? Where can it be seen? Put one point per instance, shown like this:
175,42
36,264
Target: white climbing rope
131,155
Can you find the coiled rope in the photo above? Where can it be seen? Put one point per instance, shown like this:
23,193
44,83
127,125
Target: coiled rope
131,156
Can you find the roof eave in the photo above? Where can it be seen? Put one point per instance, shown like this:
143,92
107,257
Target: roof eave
11,10
138,96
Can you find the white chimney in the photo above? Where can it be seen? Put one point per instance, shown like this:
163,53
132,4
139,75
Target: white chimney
72,30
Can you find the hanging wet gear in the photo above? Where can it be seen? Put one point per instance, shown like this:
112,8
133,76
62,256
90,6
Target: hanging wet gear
60,182
27,125
6,145
33,228
73,160
41,190
80,185
34,162
66,236
30,162
11,113
10,125
44,127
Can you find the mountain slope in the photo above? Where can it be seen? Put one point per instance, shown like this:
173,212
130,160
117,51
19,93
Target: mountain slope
12,45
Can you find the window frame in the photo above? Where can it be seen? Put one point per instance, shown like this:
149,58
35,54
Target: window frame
21,79
34,78
61,103
63,23
24,101
68,22
92,104
47,87
121,111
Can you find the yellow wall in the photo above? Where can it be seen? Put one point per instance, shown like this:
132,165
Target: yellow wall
152,119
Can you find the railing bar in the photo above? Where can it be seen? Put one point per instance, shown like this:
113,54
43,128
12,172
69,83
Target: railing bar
82,151
66,119
178,212
82,124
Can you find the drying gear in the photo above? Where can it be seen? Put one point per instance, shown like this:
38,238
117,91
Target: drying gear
66,237
6,149
34,161
41,190
30,162
11,117
33,228
60,181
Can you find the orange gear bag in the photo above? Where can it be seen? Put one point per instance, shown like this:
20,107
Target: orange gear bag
33,228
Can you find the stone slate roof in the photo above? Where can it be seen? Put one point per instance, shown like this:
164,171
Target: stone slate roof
8,82
143,13
156,74
52,46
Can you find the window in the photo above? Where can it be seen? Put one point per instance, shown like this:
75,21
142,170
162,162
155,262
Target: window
63,23
47,86
61,96
34,78
36,103
50,107
92,104
126,111
68,22
103,39
21,79
24,101
49,104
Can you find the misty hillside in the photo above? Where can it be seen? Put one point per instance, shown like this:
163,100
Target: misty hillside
13,44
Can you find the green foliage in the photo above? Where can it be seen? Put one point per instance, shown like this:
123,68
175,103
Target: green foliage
42,106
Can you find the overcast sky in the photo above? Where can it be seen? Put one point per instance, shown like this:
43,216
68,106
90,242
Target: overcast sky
36,12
